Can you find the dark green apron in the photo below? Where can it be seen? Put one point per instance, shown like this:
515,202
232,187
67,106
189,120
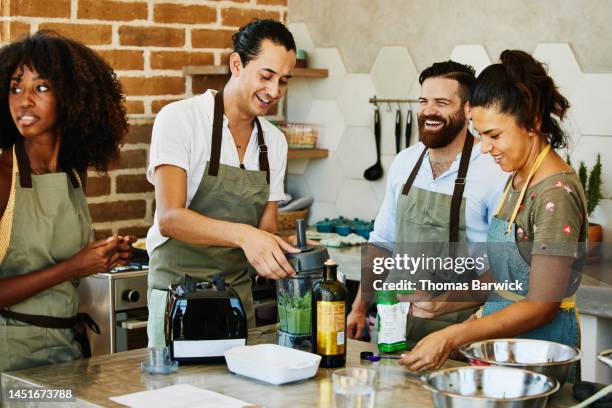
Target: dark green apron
428,217
225,193
51,223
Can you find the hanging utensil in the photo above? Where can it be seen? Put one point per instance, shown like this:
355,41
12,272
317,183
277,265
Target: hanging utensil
408,125
375,171
398,129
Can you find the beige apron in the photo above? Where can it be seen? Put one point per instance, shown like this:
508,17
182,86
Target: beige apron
225,193
429,218
50,223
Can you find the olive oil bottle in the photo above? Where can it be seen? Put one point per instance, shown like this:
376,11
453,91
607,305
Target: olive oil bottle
329,318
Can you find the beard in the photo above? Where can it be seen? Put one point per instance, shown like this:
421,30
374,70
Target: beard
451,126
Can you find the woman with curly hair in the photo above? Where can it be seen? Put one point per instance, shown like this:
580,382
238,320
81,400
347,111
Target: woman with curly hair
60,113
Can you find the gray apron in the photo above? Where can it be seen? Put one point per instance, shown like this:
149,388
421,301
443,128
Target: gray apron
51,222
430,218
225,193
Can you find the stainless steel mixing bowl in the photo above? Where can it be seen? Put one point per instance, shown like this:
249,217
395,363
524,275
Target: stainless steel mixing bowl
545,357
606,357
484,387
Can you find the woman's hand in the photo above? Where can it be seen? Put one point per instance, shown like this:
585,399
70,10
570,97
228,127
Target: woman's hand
124,253
96,257
429,353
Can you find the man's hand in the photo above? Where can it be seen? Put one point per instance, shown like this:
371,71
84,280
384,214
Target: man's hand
265,252
355,323
426,310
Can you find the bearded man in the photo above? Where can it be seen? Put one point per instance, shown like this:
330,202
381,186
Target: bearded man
442,189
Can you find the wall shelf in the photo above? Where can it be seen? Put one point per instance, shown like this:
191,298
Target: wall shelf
307,153
224,69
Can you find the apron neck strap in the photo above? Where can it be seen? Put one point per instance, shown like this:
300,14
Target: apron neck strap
23,163
217,136
25,170
455,209
532,172
414,173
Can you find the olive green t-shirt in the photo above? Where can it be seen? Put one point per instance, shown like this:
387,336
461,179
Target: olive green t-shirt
552,219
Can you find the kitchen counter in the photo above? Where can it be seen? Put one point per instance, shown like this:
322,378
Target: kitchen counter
94,380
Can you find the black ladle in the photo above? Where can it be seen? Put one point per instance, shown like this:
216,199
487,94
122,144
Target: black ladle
408,126
375,172
398,130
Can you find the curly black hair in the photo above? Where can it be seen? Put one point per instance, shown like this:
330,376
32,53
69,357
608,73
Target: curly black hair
90,112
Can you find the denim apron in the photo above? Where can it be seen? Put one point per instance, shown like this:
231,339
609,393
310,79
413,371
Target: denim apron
48,221
507,263
226,193
433,218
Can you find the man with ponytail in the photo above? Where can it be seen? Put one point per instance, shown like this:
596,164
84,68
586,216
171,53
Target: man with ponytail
538,233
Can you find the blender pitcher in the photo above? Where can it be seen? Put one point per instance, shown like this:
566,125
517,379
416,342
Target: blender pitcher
294,294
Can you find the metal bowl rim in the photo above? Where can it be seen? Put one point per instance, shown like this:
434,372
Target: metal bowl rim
425,377
465,351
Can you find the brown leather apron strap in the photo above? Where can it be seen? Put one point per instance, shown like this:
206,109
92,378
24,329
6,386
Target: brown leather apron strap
25,170
455,209
23,164
78,324
414,173
264,164
217,136
217,133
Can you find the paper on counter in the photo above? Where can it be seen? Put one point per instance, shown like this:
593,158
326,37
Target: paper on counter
179,396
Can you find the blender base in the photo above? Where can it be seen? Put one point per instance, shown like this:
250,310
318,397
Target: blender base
296,341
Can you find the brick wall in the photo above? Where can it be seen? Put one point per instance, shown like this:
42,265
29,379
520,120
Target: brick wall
147,42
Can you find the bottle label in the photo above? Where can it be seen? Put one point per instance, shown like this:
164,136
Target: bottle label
330,327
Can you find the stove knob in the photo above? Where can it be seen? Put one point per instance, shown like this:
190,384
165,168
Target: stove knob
131,295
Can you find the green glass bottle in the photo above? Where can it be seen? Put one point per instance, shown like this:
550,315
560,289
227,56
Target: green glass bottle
329,318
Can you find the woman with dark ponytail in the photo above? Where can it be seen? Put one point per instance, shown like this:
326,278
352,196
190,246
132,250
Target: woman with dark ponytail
537,237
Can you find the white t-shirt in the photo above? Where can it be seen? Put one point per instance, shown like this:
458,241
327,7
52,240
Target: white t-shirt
182,137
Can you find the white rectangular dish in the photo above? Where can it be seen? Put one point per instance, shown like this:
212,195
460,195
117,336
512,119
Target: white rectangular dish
272,363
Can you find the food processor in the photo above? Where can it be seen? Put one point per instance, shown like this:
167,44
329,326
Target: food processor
294,294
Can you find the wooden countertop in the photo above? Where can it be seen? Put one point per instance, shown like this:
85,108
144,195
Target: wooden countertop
94,380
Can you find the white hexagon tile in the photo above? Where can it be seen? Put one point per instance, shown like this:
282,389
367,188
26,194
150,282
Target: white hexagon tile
299,100
393,72
327,114
587,150
591,101
570,127
297,166
471,54
357,199
380,186
325,178
357,150
319,210
562,65
354,97
297,186
301,36
327,88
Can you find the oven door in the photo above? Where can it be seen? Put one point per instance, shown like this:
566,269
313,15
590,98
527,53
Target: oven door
131,329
